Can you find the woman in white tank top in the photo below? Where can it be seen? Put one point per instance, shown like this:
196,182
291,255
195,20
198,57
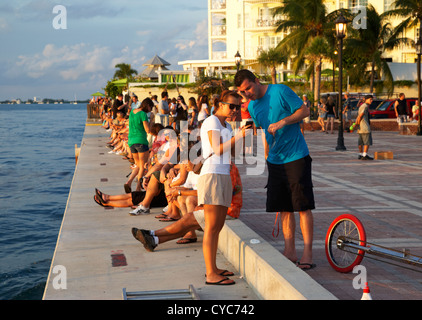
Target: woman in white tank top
214,183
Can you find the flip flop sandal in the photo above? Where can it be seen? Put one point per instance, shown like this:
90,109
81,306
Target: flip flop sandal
99,194
220,283
308,266
168,219
161,216
226,273
192,240
99,202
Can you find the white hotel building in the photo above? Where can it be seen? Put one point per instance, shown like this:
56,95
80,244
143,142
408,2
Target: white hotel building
248,26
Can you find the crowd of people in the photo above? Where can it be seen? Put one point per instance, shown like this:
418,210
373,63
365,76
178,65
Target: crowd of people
150,135
201,190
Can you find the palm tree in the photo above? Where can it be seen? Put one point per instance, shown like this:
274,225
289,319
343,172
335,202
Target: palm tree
411,10
306,21
373,41
316,52
124,71
272,58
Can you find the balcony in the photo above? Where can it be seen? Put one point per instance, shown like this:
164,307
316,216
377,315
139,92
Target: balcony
218,31
262,25
219,55
259,1
218,5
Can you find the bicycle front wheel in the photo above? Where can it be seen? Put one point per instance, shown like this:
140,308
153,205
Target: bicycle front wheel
344,229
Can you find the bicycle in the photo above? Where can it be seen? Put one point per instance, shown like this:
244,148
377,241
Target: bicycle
346,246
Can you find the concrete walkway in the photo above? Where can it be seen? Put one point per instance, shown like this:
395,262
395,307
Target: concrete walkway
101,256
386,195
96,256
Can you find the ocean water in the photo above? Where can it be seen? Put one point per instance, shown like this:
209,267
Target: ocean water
37,162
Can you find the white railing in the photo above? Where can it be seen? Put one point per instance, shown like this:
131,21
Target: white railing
219,55
218,31
218,5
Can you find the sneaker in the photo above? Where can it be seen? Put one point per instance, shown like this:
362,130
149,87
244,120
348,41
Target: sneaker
140,210
367,158
359,157
145,238
143,232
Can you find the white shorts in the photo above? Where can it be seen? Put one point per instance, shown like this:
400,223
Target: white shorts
215,189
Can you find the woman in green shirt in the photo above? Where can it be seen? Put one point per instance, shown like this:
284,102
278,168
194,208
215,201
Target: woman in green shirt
139,127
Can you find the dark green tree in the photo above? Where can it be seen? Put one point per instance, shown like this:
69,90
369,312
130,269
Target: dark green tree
123,71
272,58
309,26
372,42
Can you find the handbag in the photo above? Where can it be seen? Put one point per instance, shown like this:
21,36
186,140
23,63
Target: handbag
197,167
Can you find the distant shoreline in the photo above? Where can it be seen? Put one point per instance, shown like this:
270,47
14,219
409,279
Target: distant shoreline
49,101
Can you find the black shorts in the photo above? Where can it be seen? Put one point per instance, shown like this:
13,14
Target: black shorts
289,186
138,148
157,202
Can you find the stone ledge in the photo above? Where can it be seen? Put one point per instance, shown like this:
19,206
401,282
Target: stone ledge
267,271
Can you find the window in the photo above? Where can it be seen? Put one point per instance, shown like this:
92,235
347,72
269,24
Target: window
274,41
353,3
356,3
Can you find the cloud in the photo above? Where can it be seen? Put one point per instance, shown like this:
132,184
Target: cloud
197,48
70,62
76,62
133,56
100,34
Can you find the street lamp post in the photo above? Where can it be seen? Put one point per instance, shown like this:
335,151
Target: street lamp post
340,33
419,53
237,58
334,72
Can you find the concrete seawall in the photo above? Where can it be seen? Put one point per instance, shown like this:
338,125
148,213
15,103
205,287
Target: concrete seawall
96,256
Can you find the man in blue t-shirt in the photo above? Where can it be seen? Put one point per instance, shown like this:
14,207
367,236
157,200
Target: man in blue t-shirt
278,111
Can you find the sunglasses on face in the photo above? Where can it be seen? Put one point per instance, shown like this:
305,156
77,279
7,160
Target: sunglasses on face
232,106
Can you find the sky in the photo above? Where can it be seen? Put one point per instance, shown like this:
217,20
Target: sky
62,49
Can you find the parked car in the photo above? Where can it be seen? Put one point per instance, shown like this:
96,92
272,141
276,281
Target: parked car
386,109
354,103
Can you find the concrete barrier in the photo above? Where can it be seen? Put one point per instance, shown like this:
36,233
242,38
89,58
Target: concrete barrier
272,276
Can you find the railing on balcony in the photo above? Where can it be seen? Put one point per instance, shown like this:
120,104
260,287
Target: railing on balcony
219,55
218,4
263,23
218,31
